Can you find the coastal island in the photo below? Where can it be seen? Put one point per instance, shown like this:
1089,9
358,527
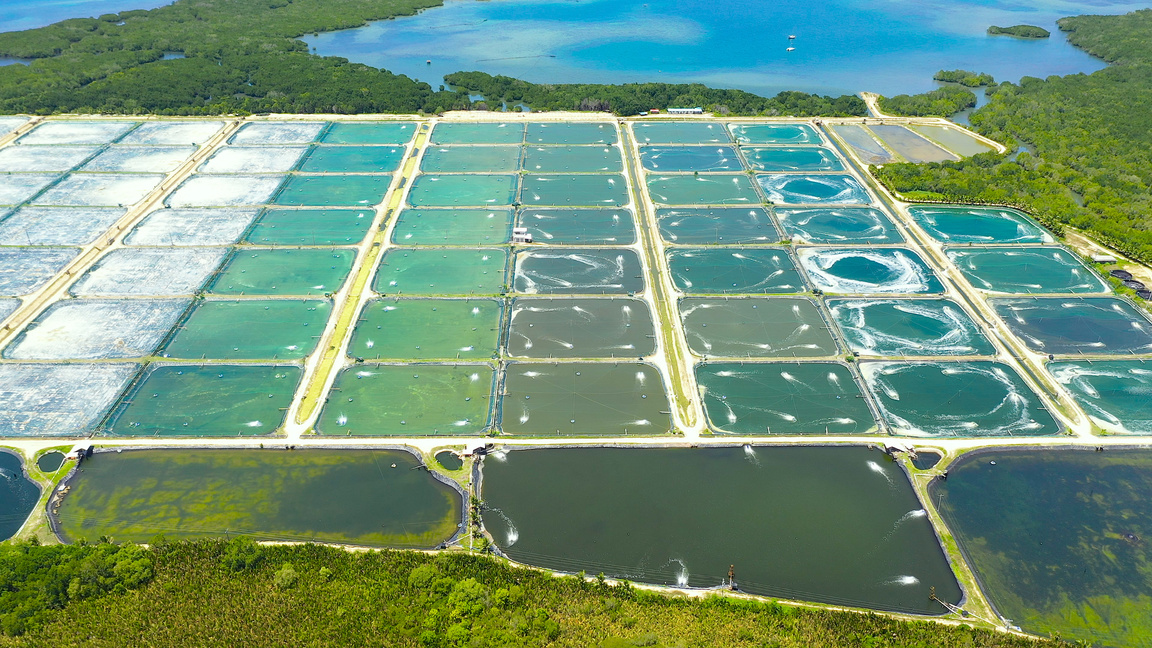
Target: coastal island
1019,31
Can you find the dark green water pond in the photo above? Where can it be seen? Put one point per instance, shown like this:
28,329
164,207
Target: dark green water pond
50,462
579,226
1059,326
580,328
364,497
716,225
719,271
835,525
575,271
1059,538
1117,394
783,398
18,494
757,327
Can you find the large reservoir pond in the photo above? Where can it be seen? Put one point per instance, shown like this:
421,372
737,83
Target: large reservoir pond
18,495
362,497
835,525
1059,538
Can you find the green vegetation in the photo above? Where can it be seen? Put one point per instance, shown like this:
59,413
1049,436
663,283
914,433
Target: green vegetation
241,594
964,78
36,580
1019,31
1092,137
941,102
242,56
633,98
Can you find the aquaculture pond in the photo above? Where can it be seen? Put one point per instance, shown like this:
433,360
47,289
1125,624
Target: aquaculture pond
50,462
1093,325
849,225
580,328
1025,270
808,158
251,329
579,226
584,399
712,225
1058,538
425,329
709,189
733,271
431,271
910,145
18,494
971,224
963,399
823,189
1116,394
908,327
868,271
775,134
365,497
690,159
471,159
453,227
683,517
783,398
755,327
311,227
578,271
866,147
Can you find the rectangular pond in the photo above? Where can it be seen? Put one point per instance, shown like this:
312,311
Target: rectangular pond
682,517
1025,270
578,271
783,398
97,329
57,225
192,227
823,189
804,159
471,159
584,399
279,133
331,190
868,271
908,327
713,189
477,133
572,159
717,225
681,132
838,226
910,145
453,227
352,159
953,139
311,227
284,271
1091,325
445,271
586,190
362,497
580,328
690,159
462,190
57,399
1115,393
150,272
409,400
250,329
864,144
964,399
568,132
206,400
734,271
379,133
26,270
1058,538
975,224
755,328
427,329
774,134
579,226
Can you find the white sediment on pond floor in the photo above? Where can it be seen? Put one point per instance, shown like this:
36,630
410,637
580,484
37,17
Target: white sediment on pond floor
9,124
192,133
57,399
225,191
77,132
16,188
191,227
91,329
7,307
141,159
150,271
26,159
23,270
100,189
57,225
253,159
278,133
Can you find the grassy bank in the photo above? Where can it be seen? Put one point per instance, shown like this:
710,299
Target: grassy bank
212,593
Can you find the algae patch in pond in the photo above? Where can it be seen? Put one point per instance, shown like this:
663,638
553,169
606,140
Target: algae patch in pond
837,525
366,497
1058,538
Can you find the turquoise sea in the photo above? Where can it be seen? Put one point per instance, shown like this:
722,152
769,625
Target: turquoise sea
841,46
